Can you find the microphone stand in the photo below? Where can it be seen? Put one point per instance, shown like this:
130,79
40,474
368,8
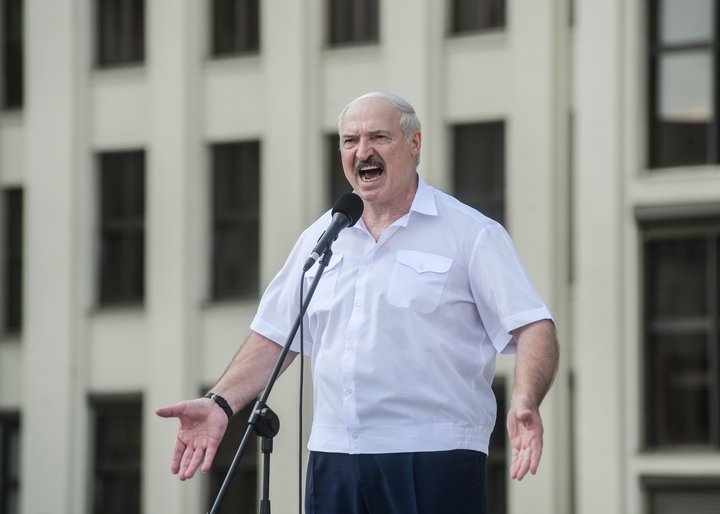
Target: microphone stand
263,421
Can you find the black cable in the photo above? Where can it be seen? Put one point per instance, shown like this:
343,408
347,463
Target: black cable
300,400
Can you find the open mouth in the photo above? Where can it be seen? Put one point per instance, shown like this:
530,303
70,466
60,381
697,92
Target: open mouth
369,172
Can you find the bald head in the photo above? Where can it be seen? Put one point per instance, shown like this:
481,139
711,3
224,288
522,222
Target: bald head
409,122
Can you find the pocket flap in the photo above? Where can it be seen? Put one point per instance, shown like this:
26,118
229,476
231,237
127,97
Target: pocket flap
334,261
423,262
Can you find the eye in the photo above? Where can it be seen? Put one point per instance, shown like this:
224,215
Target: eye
349,142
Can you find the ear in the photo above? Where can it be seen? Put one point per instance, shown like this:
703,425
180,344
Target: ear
415,143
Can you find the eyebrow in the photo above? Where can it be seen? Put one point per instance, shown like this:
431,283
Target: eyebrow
376,132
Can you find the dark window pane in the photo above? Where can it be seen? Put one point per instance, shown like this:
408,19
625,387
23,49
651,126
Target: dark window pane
13,265
117,459
476,15
353,21
10,464
122,227
479,167
236,220
678,274
241,497
680,390
235,26
336,175
683,496
120,29
12,56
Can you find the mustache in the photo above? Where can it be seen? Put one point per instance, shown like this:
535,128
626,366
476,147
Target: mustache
372,161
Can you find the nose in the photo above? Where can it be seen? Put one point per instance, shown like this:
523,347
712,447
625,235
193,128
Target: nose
364,149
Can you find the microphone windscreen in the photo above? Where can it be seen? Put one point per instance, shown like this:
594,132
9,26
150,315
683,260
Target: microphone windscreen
351,205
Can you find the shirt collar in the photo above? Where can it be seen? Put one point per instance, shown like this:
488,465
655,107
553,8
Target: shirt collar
424,201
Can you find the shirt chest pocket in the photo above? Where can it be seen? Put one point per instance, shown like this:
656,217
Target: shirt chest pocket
325,292
417,280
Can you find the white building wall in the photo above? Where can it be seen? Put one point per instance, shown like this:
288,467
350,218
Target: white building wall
562,92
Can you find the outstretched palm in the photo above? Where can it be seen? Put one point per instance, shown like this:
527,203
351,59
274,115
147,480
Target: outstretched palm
202,426
525,429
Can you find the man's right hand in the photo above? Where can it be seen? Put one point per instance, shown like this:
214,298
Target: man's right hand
202,426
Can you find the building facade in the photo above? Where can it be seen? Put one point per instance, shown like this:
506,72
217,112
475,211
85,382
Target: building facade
158,158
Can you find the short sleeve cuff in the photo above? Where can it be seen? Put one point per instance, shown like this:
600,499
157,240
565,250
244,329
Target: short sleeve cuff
503,340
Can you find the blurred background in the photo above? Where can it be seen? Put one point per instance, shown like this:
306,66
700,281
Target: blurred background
158,158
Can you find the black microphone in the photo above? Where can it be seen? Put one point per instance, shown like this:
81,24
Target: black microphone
347,210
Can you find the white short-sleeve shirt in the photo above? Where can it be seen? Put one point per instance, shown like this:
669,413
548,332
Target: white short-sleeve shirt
403,332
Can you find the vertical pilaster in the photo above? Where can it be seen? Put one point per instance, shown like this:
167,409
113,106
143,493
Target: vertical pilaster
174,181
599,306
290,192
537,202
49,403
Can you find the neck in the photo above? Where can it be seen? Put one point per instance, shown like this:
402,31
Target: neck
378,217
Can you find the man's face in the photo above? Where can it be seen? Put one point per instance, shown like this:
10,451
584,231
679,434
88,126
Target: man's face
378,162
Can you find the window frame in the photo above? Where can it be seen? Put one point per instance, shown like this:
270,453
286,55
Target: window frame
225,221
129,467
123,45
13,54
491,202
676,483
12,260
497,20
129,228
234,41
707,230
357,28
10,426
655,51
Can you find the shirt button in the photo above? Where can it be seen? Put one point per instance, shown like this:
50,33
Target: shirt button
348,391
355,436
358,303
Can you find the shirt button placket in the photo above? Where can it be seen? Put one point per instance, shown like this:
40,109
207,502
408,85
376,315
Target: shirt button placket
349,358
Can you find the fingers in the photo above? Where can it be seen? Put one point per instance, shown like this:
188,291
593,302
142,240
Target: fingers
524,460
177,456
209,457
526,433
191,459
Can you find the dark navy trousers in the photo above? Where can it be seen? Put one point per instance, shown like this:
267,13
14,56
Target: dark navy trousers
446,482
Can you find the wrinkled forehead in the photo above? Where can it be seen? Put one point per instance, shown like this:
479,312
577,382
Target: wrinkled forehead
370,115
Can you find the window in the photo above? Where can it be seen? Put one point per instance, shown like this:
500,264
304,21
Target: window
682,496
10,464
122,227
235,27
684,94
476,15
120,32
682,346
479,155
12,54
12,260
241,498
336,176
235,220
497,470
353,21
117,455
